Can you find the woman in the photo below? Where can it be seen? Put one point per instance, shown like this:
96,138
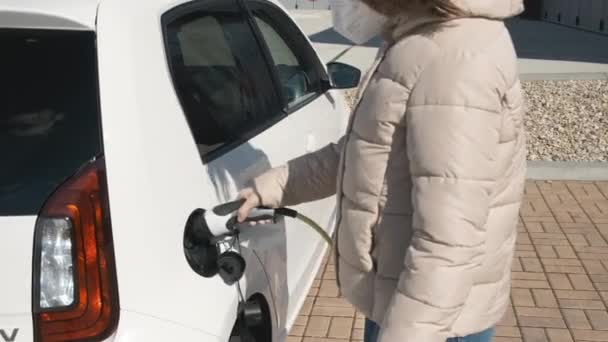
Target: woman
429,176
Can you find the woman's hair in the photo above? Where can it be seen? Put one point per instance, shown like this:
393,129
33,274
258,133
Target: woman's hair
439,8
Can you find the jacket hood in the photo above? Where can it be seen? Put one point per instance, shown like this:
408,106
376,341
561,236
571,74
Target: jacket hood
491,9
405,15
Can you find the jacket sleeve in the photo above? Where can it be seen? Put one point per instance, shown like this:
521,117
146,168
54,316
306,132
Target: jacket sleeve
304,179
452,141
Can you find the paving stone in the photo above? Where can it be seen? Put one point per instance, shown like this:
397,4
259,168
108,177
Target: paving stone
307,306
577,240
516,267
522,297
562,262
329,275
559,335
559,281
333,311
359,323
565,269
538,312
598,319
590,335
523,239
599,278
601,286
301,320
507,332
544,298
534,227
357,334
297,330
581,282
318,326
581,304
591,249
595,239
541,322
530,284
525,254
594,267
565,252
534,335
525,248
547,236
532,265
329,288
528,276
577,225
551,242
576,319
341,327
508,319
546,252
593,256
552,227
332,302
572,294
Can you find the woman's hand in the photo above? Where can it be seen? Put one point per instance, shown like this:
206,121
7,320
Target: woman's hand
252,201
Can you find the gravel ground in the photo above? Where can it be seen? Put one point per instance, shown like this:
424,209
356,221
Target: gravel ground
565,120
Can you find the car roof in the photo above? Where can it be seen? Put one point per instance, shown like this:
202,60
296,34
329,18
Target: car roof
52,14
56,14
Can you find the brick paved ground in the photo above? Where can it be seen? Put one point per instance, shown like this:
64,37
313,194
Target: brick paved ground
560,274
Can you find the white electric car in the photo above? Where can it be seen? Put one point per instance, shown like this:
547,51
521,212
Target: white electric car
118,119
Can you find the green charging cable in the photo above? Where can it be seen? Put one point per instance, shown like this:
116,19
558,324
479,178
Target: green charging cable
305,219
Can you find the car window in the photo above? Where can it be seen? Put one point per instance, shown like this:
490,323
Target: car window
295,62
221,77
49,113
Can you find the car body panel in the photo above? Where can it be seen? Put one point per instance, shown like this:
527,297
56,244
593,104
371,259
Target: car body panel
16,254
17,234
135,326
56,14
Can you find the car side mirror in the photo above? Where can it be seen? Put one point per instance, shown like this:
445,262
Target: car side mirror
343,76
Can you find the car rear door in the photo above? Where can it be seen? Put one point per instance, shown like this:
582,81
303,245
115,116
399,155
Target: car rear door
294,114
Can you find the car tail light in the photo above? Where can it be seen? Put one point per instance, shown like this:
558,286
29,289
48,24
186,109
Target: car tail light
75,289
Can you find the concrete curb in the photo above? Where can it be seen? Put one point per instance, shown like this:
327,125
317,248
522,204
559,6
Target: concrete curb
564,76
581,171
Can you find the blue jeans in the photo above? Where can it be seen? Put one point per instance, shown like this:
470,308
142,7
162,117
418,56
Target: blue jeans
372,330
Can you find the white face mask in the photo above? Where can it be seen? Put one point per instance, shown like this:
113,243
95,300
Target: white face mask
356,21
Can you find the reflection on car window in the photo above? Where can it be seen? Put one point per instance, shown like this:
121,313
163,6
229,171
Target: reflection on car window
297,80
49,114
221,77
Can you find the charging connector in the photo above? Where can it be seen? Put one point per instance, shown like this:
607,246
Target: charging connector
206,230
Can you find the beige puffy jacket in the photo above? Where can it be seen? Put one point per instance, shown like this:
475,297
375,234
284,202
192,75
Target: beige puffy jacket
429,177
